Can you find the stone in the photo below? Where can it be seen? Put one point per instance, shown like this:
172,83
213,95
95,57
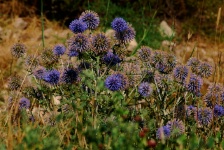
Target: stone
19,23
166,30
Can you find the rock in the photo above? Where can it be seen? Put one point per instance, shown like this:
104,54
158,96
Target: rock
132,45
19,23
165,29
110,33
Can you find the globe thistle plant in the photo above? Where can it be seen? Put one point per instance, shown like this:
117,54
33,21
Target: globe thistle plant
59,49
144,53
194,84
125,36
218,111
171,61
203,116
14,82
52,77
18,50
180,73
204,70
193,63
32,61
69,76
115,82
213,95
119,24
48,57
39,72
163,132
72,52
77,26
176,127
157,58
91,19
24,103
111,59
100,43
78,43
144,89
190,110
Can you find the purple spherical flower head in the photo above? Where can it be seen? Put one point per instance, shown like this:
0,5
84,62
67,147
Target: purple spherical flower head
91,18
176,126
24,103
189,110
218,111
39,72
72,52
194,85
52,77
125,36
115,82
163,132
59,49
111,59
180,73
69,76
14,82
100,43
204,69
79,43
18,50
77,26
144,53
193,63
119,24
203,116
144,89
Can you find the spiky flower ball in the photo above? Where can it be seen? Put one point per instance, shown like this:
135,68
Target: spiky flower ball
77,26
52,77
48,57
194,84
213,95
193,63
204,69
111,59
18,50
91,19
100,43
125,36
69,76
144,89
157,58
180,73
218,110
115,82
39,72
24,103
144,53
204,116
32,61
14,82
59,49
190,110
78,43
72,52
119,24
176,126
163,132
171,61
162,80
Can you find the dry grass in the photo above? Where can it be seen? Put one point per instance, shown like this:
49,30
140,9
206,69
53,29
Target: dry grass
31,37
